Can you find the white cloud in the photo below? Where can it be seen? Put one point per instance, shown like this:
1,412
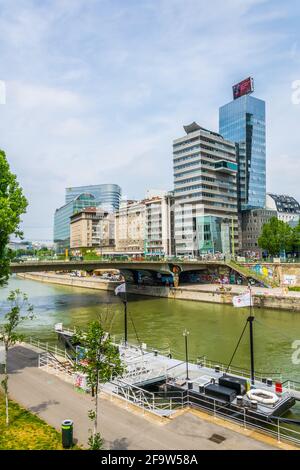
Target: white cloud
30,96
96,91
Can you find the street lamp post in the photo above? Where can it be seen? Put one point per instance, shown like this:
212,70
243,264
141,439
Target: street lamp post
185,334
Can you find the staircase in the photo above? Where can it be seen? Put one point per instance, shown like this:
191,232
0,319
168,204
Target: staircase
248,273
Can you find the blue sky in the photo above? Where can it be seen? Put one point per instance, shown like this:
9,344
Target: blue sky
97,89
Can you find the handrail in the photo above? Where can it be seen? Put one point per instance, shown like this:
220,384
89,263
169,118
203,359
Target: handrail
273,427
260,374
206,362
123,384
161,404
45,346
291,381
176,365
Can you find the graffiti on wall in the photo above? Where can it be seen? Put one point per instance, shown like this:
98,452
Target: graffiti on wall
263,271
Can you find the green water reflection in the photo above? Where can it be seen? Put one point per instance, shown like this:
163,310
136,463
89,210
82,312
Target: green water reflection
214,329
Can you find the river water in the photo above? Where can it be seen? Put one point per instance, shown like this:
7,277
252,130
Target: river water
213,329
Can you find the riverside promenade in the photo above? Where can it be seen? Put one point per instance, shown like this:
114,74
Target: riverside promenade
121,427
277,298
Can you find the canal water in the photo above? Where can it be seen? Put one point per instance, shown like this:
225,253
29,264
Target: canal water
214,329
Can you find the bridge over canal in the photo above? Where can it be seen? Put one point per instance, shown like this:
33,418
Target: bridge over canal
177,271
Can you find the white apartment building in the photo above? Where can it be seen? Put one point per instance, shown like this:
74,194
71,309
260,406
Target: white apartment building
287,208
205,193
91,228
130,227
159,223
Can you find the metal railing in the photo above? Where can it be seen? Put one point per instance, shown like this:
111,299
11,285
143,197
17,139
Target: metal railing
165,402
201,361
48,347
291,385
165,405
48,361
273,426
236,370
149,401
68,331
136,395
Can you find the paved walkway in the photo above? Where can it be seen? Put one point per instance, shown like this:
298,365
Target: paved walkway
54,400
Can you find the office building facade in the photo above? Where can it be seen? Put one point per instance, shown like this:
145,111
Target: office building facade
252,221
91,228
106,195
205,193
243,121
62,219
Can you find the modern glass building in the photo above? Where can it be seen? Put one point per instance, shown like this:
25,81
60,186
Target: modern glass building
62,219
107,195
213,234
243,121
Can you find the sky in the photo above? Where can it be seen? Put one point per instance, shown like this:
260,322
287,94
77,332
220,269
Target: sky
96,90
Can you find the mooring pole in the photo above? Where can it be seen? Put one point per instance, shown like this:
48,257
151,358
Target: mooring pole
125,321
185,334
251,320
125,316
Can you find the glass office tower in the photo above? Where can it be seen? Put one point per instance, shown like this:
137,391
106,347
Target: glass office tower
62,219
243,121
107,195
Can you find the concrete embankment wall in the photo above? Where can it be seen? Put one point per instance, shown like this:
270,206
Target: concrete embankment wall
269,300
278,272
86,282
262,301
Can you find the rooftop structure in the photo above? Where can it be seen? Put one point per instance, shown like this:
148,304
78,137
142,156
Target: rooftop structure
287,207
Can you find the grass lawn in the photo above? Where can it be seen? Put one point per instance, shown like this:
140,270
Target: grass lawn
26,431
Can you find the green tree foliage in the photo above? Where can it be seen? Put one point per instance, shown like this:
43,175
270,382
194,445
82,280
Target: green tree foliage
12,205
101,362
296,239
18,302
90,255
276,236
41,253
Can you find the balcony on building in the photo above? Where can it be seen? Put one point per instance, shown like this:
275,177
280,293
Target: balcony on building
225,166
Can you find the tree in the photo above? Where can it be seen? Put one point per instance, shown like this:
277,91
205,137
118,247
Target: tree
276,236
12,205
100,362
8,335
296,239
89,255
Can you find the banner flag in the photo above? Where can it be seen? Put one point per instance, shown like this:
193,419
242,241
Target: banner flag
120,288
243,300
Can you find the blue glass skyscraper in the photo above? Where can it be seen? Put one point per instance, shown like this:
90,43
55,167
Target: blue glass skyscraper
62,219
107,195
243,121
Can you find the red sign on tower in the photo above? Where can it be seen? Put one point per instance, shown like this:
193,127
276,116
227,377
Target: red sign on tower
243,88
